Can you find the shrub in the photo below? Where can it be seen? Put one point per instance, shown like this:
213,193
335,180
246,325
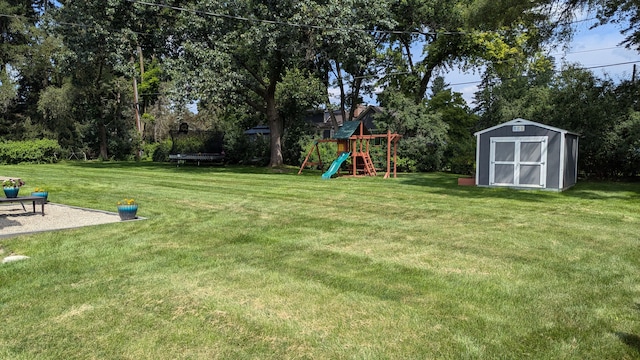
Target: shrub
161,151
328,151
29,151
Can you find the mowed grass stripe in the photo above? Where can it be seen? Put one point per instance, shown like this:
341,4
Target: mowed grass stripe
252,263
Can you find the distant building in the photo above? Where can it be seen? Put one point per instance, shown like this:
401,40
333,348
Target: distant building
321,119
260,130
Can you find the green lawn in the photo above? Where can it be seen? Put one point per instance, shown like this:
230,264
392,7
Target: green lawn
242,263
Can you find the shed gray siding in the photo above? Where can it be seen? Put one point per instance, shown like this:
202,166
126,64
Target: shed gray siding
571,156
553,151
561,168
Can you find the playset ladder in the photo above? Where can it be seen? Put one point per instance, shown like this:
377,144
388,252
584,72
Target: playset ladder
368,164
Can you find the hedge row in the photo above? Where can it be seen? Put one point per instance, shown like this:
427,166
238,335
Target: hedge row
29,151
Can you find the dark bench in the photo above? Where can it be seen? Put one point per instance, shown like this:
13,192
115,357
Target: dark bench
22,199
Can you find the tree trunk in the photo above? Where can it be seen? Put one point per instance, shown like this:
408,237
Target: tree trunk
276,127
424,83
276,123
102,132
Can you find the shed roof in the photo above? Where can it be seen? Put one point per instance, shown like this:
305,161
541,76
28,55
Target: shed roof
520,121
348,129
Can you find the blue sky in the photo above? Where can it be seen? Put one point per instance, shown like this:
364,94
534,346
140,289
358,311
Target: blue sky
598,49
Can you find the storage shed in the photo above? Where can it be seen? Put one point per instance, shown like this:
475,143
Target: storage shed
525,154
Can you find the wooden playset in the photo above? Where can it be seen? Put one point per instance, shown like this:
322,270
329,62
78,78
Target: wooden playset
353,141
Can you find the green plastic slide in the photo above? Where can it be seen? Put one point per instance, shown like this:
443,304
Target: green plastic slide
336,165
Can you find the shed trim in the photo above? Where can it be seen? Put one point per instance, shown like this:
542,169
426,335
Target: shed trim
477,160
520,121
517,161
563,160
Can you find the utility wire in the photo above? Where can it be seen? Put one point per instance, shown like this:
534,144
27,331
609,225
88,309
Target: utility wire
585,68
277,22
611,65
298,25
146,34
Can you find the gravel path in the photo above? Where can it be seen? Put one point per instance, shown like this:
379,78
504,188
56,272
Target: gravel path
15,221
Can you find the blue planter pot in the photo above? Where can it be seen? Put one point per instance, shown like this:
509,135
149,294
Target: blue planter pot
127,212
11,192
44,194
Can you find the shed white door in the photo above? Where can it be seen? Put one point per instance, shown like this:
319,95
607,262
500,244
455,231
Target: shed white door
520,161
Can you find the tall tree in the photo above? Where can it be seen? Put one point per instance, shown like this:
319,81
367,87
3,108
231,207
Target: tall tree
437,35
105,40
25,66
347,60
238,51
459,151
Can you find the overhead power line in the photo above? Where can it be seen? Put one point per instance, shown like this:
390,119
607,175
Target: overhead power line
298,25
318,27
585,68
234,17
285,23
611,65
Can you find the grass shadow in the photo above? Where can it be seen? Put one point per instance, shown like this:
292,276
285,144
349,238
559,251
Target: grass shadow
344,273
631,340
605,190
185,169
446,184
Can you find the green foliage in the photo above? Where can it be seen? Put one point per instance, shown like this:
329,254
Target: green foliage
242,149
8,91
188,145
74,85
627,141
161,151
30,151
459,152
150,84
424,131
158,151
56,105
298,92
601,112
328,152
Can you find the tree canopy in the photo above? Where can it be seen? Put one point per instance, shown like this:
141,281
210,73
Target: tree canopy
106,76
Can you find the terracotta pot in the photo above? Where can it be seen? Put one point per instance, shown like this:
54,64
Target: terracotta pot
467,181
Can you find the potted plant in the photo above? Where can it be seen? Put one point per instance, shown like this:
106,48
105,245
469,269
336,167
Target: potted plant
11,187
127,209
40,192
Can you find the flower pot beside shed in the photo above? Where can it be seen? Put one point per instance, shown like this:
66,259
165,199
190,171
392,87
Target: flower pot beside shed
467,181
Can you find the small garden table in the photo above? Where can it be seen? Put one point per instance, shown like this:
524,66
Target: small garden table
21,199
